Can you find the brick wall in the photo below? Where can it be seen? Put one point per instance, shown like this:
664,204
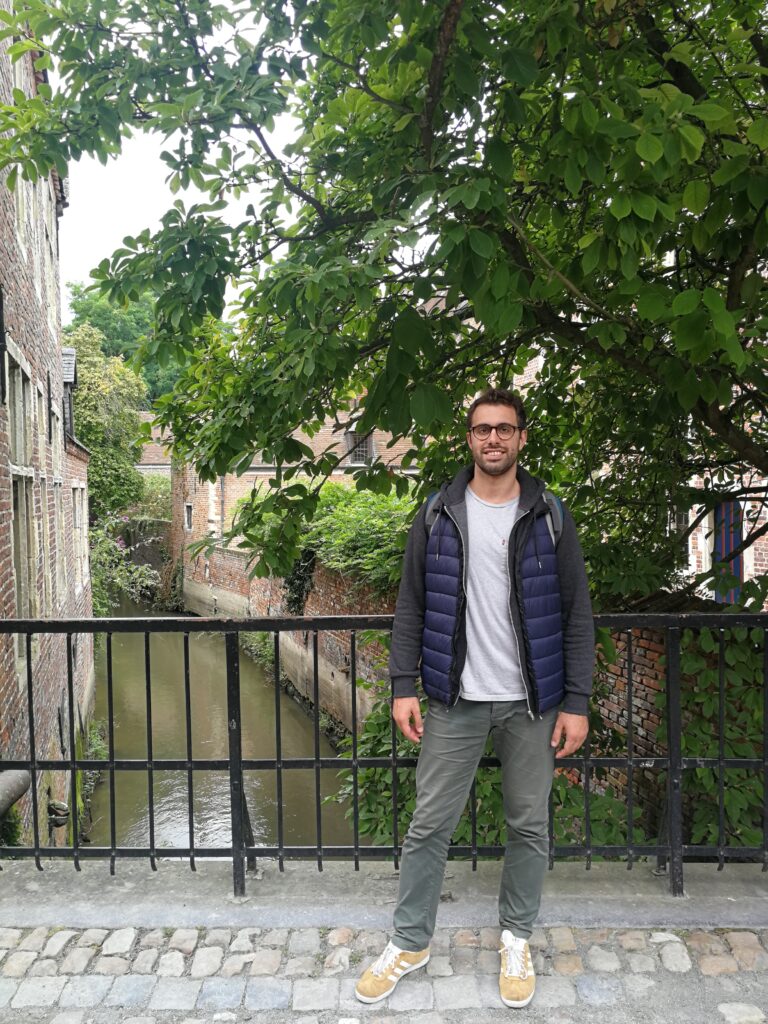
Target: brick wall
29,280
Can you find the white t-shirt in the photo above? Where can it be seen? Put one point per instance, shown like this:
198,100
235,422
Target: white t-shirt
492,668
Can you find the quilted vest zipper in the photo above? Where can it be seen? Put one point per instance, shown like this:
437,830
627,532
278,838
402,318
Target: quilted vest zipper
463,599
511,619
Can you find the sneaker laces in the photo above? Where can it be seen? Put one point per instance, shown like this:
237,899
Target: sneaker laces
386,960
517,961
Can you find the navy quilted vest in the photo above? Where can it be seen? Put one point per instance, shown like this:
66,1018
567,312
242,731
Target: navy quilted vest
538,596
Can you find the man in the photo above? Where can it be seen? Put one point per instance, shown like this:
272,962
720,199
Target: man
494,615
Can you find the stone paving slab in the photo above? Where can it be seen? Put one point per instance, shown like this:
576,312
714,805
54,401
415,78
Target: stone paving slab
642,976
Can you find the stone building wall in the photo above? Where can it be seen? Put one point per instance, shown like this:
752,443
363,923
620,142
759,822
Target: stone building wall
43,477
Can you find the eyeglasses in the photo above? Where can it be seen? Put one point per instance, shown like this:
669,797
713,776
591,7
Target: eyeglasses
504,431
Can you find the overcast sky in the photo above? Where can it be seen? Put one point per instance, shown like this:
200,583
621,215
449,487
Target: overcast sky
108,203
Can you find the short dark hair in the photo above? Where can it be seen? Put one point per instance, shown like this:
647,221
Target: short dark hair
498,396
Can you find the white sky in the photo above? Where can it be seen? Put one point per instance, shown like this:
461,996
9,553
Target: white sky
108,203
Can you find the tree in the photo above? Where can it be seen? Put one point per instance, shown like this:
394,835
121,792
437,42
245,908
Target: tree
125,330
107,400
471,186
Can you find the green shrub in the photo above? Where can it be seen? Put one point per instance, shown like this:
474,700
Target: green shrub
156,501
743,797
112,571
11,828
361,535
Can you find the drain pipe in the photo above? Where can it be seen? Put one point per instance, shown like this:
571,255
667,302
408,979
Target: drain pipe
13,786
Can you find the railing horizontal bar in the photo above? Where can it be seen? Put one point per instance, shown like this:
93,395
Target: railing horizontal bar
191,624
265,624
344,763
126,765
98,852
753,853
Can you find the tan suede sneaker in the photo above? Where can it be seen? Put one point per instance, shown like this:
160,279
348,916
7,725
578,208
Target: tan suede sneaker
516,980
384,973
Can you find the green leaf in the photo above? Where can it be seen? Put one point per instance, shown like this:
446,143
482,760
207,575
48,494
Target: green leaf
500,159
710,113
652,303
728,170
685,302
500,281
573,177
466,78
430,405
758,132
648,147
620,206
692,141
688,390
481,243
690,329
696,196
520,66
402,122
644,205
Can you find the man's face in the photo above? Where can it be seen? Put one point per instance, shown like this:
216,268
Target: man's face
494,455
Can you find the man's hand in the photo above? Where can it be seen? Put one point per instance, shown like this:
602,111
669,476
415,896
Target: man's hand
571,730
406,710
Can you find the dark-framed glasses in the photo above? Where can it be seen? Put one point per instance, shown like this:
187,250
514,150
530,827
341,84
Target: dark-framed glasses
504,431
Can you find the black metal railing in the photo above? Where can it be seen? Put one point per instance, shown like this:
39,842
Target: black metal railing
668,760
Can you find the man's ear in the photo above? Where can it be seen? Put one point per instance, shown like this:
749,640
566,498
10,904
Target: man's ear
523,439
469,440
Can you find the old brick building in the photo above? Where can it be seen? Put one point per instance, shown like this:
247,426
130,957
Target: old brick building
44,570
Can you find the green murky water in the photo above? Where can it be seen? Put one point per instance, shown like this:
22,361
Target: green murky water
211,793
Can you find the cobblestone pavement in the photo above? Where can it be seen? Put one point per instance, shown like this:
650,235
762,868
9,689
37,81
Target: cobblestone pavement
306,976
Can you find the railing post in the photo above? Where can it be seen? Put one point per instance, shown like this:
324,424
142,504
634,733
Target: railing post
675,773
235,762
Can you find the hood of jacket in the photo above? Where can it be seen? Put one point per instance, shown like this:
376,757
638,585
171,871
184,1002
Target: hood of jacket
531,487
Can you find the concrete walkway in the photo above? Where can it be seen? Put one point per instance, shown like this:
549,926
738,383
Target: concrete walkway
174,946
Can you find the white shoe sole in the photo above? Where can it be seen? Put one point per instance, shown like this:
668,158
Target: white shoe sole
377,999
518,1004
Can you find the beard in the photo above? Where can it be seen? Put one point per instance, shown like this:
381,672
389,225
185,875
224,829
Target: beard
496,466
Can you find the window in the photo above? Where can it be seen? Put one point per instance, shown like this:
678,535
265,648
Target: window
24,557
58,532
728,537
41,431
79,535
44,553
360,447
188,516
20,414
57,444
214,522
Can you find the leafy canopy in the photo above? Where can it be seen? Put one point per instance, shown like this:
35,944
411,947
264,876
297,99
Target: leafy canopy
125,329
471,186
107,401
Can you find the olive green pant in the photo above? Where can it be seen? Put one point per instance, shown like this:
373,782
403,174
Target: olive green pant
453,743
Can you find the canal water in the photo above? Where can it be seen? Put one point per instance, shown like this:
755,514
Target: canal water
211,795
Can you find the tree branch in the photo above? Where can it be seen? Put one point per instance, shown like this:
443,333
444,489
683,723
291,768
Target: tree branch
758,45
363,83
739,440
445,37
681,75
745,260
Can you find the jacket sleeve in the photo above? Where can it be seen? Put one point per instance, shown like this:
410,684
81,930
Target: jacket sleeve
578,624
408,628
